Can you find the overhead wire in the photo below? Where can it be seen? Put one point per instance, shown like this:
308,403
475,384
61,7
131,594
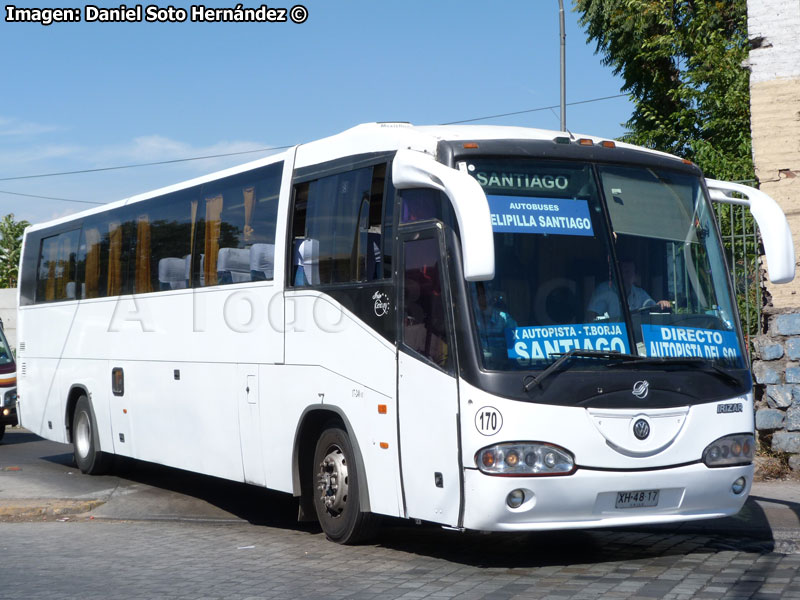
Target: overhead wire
270,149
48,197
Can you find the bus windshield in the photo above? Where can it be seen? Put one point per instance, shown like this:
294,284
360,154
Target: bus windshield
613,258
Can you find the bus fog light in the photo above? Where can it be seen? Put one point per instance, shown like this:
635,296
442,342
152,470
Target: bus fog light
730,450
525,459
739,485
515,498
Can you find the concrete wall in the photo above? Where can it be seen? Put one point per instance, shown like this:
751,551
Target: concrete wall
774,31
8,312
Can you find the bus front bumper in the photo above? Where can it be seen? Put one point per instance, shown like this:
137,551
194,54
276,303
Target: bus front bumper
589,498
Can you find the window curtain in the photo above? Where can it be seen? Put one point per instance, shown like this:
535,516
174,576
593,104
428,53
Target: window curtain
249,204
213,213
63,274
52,262
92,263
114,286
143,281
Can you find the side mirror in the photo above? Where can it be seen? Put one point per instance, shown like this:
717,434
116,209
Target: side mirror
412,169
775,232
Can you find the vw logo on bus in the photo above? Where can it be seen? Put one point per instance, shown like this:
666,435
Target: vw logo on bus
641,389
641,429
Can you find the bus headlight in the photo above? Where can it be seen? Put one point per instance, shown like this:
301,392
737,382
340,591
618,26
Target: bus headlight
525,459
730,450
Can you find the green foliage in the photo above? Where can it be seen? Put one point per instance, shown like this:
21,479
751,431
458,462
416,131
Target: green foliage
10,246
681,61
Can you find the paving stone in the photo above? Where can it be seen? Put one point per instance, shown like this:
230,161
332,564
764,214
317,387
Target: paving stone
783,441
769,418
766,373
782,396
769,350
793,348
170,560
787,324
793,418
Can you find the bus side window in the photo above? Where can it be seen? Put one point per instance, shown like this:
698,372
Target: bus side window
235,228
424,323
57,274
338,228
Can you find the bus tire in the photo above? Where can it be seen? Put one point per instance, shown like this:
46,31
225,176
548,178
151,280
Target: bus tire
336,490
86,442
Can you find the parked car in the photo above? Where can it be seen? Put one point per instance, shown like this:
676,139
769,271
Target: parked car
8,385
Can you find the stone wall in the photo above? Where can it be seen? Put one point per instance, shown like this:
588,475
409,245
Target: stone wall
777,369
774,30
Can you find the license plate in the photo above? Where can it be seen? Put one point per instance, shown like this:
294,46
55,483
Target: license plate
637,499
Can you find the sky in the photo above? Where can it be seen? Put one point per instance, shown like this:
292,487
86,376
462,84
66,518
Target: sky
81,96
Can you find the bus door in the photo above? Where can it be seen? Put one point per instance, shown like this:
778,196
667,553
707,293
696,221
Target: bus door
427,383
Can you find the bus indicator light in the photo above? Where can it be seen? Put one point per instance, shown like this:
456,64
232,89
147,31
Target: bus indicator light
382,409
471,146
730,450
585,142
512,459
608,144
384,445
541,459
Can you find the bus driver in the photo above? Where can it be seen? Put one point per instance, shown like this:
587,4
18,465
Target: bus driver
604,303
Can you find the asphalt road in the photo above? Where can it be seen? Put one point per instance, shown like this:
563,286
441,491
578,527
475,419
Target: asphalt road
154,532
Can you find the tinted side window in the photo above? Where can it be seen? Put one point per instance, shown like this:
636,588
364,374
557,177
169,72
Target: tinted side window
235,230
103,255
338,231
162,254
57,273
424,320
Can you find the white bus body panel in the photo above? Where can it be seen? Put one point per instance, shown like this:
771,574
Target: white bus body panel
606,464
428,405
339,362
586,498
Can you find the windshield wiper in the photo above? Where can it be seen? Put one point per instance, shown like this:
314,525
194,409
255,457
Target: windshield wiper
689,361
565,356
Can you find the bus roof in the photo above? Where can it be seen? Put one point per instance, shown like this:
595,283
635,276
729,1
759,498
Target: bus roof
361,139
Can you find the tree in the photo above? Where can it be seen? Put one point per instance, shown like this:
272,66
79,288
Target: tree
682,62
10,247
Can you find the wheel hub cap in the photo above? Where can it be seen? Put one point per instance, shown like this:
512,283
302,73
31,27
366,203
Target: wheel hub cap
83,434
332,481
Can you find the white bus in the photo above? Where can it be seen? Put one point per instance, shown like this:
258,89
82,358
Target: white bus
419,322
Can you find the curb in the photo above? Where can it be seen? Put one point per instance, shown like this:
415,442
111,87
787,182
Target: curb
25,509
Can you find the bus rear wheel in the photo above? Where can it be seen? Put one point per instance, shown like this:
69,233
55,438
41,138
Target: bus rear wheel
336,490
85,441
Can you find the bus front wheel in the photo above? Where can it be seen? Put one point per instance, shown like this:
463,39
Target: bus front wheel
336,490
85,441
